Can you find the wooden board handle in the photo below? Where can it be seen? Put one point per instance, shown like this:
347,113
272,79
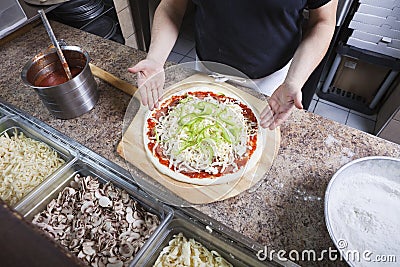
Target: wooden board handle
113,80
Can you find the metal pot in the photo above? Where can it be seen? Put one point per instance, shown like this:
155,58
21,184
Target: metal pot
71,98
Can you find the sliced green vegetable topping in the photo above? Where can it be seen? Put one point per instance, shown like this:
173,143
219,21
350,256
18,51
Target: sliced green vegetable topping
203,133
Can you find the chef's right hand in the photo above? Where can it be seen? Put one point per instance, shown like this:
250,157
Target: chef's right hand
151,78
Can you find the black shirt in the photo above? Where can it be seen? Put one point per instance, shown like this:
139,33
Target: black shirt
257,37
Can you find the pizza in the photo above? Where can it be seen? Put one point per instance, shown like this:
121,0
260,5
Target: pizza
202,136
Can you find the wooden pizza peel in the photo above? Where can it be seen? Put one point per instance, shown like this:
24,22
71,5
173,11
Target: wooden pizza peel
131,148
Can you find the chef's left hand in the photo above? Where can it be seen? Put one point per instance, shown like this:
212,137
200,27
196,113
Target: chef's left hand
281,104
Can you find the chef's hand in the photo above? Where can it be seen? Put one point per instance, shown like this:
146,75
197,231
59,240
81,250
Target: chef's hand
151,78
281,104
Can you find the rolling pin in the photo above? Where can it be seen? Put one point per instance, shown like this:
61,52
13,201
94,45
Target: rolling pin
113,80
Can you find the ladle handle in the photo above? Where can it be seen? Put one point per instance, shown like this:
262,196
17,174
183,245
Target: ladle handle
55,43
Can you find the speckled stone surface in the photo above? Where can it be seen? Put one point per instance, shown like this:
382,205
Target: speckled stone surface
285,211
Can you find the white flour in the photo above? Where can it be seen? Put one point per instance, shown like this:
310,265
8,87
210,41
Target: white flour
330,140
366,213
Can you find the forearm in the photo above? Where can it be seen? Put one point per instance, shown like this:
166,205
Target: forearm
311,50
165,29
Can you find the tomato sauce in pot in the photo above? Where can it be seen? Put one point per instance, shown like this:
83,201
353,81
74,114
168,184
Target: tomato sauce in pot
56,77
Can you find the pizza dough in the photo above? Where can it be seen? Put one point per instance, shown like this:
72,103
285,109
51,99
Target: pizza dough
203,139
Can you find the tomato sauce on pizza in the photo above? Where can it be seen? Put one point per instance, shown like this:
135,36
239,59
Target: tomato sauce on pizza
202,134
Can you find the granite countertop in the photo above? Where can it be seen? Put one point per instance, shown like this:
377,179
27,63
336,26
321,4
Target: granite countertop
285,211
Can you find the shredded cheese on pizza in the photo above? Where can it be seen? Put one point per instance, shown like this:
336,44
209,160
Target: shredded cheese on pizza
204,134
183,252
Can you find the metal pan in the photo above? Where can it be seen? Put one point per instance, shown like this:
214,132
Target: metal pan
3,113
237,255
12,125
360,208
45,194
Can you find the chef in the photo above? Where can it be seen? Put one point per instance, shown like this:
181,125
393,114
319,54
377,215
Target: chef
262,39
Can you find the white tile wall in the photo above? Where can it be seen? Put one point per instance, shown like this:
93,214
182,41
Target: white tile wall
371,117
331,112
183,46
175,57
131,41
120,4
187,59
192,53
360,123
333,104
126,22
312,106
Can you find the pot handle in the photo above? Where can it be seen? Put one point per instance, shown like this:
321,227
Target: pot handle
61,42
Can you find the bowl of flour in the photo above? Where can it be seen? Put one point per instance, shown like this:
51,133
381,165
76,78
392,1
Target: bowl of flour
362,211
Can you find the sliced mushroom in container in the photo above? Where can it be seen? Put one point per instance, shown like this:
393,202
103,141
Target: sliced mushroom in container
105,226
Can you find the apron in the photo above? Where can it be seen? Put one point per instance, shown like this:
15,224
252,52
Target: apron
265,85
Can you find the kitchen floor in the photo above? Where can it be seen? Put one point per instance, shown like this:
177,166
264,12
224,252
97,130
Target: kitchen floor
184,51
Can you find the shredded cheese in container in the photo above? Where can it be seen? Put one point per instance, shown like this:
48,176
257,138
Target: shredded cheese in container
24,164
183,252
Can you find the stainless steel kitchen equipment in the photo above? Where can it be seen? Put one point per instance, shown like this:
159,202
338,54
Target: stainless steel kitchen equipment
11,125
54,41
69,99
362,176
38,201
368,45
86,162
207,236
45,2
29,11
11,16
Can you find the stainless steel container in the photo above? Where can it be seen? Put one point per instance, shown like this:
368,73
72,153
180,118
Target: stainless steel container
71,98
44,194
13,126
382,167
3,114
210,238
237,249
